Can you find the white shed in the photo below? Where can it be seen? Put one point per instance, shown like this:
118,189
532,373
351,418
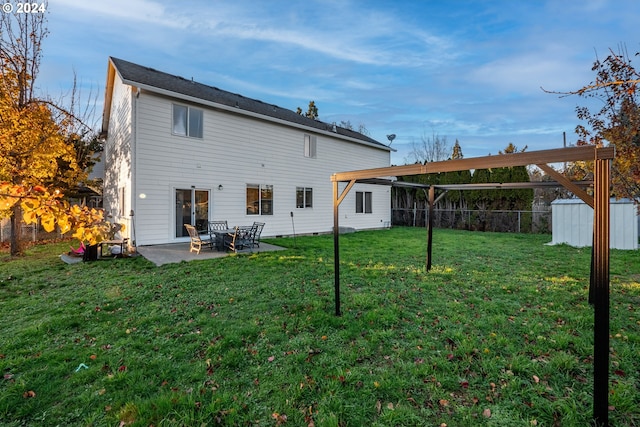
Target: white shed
572,223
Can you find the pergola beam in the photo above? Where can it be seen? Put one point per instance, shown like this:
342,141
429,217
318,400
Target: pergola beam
559,155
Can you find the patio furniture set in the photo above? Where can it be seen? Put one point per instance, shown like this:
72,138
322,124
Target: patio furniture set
222,238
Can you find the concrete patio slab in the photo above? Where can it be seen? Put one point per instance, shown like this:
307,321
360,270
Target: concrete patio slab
178,252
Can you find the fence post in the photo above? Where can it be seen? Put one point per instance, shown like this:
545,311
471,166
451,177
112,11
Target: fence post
519,222
415,211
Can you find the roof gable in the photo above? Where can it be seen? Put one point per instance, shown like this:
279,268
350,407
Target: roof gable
149,78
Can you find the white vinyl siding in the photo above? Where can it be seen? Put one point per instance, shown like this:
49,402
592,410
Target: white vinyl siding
235,151
118,155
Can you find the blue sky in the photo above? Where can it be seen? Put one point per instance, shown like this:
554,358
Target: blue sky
465,70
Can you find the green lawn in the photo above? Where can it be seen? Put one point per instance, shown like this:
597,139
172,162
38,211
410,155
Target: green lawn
499,333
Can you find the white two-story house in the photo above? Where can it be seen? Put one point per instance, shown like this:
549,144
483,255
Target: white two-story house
180,152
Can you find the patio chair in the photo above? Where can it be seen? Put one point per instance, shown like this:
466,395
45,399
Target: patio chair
218,225
196,241
215,233
239,239
256,231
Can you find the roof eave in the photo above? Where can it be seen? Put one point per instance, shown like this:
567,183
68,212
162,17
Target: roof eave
236,110
108,96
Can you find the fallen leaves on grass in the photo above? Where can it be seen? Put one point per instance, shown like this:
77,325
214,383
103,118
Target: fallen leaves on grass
280,418
29,394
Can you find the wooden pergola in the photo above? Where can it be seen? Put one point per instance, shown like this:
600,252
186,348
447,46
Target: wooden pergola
599,280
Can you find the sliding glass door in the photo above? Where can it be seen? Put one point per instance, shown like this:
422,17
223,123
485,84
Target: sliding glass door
192,207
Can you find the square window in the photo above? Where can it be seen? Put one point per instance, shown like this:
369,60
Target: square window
304,197
187,121
259,199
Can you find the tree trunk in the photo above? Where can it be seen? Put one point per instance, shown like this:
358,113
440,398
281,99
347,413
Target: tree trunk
17,245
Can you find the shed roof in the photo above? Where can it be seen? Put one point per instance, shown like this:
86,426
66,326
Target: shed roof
577,201
158,81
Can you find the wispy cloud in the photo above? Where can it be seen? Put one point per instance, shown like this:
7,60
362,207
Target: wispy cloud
148,11
373,38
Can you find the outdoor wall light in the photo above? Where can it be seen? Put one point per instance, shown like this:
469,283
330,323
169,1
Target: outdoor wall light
220,187
143,196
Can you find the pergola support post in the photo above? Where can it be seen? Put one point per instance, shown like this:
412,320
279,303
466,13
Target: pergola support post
336,247
337,199
600,293
432,193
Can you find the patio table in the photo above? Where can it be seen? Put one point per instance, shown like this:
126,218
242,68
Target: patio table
219,237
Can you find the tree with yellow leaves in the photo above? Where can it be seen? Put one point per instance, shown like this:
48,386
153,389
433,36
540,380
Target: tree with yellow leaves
36,202
34,152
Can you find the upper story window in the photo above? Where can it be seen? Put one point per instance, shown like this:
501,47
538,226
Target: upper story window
309,146
187,121
363,202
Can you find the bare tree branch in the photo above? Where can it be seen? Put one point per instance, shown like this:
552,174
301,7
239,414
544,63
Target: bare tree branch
592,87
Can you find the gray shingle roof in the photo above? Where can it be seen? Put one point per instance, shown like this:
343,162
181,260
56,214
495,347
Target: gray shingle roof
133,73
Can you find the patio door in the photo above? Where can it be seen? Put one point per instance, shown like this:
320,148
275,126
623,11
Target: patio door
192,207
